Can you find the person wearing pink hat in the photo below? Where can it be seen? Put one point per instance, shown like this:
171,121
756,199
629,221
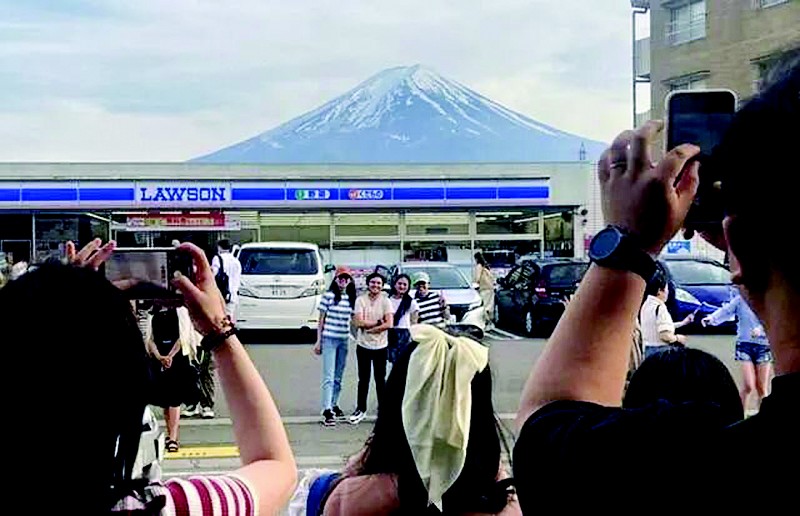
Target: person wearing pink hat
333,336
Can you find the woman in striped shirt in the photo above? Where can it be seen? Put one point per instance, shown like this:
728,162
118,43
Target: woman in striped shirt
333,336
103,364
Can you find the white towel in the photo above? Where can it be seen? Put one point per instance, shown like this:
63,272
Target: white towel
437,405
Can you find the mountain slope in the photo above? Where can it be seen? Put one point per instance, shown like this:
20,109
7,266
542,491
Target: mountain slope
409,115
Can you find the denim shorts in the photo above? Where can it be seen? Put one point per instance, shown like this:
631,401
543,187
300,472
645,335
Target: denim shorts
755,353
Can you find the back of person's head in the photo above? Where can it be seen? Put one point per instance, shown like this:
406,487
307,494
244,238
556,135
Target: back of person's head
225,244
656,284
80,389
681,375
476,489
760,179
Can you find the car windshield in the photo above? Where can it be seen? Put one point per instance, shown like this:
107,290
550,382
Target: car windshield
570,273
300,262
442,277
689,272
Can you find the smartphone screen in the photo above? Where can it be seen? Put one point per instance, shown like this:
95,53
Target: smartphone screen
702,118
147,273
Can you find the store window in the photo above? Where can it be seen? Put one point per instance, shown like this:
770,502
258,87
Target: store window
298,227
522,222
458,251
360,225
442,224
559,235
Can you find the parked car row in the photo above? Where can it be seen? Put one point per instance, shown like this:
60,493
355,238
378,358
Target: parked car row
531,298
283,281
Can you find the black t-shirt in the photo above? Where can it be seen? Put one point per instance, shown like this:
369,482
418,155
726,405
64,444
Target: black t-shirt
575,455
166,329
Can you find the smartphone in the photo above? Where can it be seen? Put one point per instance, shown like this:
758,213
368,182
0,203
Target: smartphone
146,273
702,117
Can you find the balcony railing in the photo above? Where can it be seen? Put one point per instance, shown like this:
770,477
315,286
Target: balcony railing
683,31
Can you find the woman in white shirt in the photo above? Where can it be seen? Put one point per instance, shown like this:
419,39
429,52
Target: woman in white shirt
406,313
658,328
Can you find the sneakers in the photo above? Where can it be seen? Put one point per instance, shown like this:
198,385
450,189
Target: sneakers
328,419
207,413
339,415
357,417
191,411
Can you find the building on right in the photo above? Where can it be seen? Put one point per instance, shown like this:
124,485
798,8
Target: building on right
696,44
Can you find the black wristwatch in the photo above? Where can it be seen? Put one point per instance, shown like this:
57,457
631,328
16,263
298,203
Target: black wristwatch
615,248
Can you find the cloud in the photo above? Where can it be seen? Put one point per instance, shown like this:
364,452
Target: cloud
152,80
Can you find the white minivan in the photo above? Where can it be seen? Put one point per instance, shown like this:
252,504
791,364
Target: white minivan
282,283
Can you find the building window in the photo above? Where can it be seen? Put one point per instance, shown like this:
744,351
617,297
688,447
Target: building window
689,83
687,22
763,4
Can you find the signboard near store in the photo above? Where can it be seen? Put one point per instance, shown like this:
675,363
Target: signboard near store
180,222
274,194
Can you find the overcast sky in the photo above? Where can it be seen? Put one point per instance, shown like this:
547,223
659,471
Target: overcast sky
168,80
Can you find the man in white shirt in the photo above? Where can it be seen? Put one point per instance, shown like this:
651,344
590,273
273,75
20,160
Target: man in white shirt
233,269
658,328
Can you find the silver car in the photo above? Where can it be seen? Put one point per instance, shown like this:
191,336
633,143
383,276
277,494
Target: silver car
466,306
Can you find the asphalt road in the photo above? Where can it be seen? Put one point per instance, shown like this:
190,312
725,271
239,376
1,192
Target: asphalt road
292,373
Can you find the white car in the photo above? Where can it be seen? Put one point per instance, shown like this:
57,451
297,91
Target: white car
282,283
466,306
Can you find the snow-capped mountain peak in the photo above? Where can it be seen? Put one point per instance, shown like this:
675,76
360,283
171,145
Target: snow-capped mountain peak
406,113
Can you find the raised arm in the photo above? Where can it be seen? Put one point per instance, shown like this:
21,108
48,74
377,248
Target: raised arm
268,463
586,359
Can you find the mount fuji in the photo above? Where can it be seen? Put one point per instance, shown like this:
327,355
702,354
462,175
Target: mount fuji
409,115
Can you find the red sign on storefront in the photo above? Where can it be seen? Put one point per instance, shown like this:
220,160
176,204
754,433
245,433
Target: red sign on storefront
183,220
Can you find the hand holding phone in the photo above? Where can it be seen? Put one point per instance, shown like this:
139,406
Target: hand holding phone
147,273
701,117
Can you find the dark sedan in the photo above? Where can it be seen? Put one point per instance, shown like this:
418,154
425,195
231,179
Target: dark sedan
531,297
696,284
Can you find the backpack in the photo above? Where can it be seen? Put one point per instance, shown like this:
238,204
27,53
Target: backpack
223,281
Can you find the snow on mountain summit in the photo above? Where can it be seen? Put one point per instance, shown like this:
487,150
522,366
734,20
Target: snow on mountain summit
408,114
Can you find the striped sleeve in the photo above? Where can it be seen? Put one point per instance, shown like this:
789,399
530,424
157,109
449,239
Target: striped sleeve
326,301
228,495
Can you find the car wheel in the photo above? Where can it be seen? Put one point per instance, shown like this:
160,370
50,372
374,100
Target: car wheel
529,323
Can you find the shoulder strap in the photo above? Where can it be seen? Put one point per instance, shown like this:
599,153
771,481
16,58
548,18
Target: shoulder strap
318,493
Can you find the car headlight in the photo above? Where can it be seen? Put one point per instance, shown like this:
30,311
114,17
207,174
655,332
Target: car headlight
686,297
247,292
316,289
475,305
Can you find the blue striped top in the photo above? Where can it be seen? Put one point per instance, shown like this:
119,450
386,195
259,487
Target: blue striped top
337,317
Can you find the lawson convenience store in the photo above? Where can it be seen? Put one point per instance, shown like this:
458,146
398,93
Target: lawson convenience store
357,214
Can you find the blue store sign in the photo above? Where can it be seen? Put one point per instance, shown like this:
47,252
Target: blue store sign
271,194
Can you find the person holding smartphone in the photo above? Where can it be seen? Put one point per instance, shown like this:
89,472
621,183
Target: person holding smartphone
103,363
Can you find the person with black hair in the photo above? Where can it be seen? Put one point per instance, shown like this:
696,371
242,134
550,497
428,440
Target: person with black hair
570,422
90,355
406,313
333,336
373,317
441,386
656,324
684,375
